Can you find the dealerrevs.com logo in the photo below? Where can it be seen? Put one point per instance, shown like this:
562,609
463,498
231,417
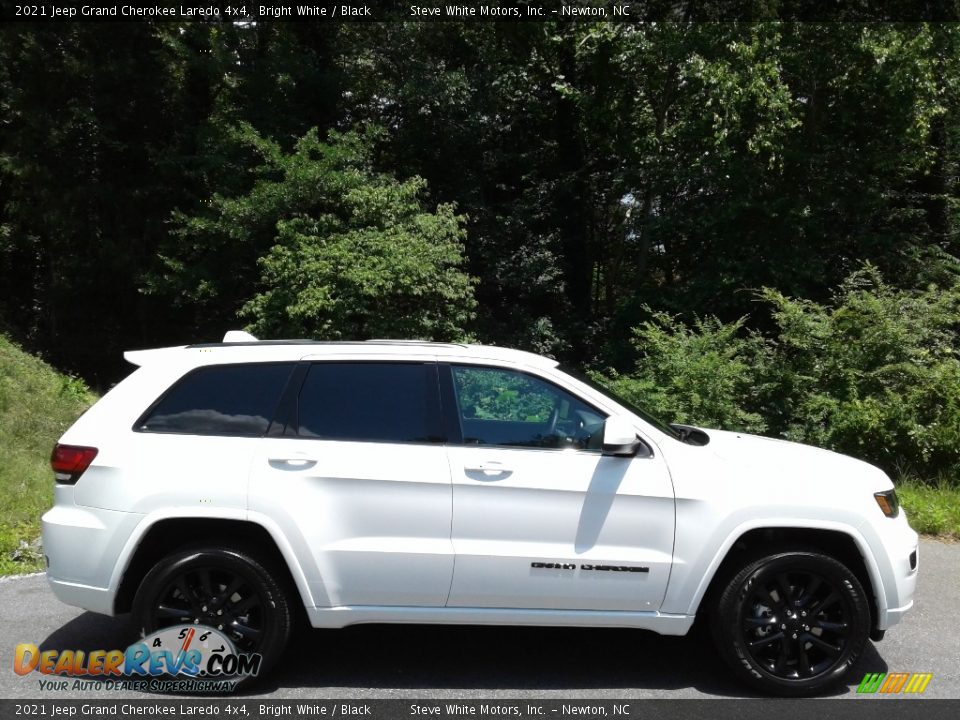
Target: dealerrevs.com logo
182,658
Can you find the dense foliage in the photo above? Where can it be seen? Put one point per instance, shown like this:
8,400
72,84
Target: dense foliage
873,373
708,373
615,195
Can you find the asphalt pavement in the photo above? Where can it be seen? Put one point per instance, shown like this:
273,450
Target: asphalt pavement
392,661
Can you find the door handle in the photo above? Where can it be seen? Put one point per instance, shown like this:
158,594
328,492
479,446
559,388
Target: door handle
293,462
488,468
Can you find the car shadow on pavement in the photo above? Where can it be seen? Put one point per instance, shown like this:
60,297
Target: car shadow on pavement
433,657
436,658
92,631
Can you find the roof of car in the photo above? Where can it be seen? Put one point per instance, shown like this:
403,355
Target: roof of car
239,346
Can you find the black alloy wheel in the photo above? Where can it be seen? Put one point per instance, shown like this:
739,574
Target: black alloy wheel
217,597
227,589
793,623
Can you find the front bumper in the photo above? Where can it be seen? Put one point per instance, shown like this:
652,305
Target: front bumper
896,552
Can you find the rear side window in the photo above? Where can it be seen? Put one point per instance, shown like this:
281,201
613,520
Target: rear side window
373,402
220,400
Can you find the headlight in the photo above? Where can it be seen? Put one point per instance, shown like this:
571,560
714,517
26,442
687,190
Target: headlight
888,502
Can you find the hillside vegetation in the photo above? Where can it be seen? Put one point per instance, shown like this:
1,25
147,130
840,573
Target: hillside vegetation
36,405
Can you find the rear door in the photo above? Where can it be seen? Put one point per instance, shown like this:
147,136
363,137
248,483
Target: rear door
358,478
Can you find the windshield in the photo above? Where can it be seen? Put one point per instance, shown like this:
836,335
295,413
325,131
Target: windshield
620,400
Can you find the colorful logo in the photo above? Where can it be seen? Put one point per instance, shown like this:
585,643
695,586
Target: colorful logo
893,683
202,656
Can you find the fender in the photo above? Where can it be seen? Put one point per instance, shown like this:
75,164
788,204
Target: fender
149,520
793,523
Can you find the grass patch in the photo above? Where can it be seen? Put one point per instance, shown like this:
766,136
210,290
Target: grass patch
36,405
932,509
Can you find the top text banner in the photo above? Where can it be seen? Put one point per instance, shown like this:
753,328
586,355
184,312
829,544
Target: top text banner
504,11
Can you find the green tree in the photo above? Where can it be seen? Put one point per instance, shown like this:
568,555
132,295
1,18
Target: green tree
334,248
87,181
600,168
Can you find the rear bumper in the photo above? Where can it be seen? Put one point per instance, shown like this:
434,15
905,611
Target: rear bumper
82,546
84,596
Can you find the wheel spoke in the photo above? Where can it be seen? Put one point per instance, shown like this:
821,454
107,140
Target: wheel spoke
804,666
171,613
250,634
186,592
228,592
205,584
754,623
809,591
767,596
783,587
783,658
830,625
765,640
831,650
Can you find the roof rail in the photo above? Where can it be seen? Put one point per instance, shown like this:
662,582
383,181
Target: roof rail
390,341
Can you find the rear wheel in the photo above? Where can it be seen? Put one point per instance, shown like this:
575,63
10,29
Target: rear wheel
228,589
792,623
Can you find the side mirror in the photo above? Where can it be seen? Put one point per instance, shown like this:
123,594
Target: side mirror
619,437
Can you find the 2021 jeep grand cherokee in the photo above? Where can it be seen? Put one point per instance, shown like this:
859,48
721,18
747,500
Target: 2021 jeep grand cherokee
392,481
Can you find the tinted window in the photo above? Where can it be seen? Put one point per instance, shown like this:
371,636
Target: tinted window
503,407
386,402
221,400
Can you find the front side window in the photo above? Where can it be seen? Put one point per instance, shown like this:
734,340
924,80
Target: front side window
220,400
513,409
371,401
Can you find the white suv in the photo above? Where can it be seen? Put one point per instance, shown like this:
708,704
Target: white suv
230,484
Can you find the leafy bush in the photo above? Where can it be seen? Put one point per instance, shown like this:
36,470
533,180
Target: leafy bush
873,374
704,374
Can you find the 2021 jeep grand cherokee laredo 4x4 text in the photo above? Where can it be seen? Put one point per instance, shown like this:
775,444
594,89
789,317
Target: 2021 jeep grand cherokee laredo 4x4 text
392,481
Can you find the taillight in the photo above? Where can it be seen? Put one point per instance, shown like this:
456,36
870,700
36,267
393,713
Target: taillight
70,461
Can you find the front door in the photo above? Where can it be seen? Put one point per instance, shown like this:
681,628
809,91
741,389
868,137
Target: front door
541,519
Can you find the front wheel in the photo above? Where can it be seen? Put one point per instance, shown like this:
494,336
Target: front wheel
231,590
792,623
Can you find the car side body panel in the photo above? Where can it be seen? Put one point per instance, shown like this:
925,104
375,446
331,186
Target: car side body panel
358,552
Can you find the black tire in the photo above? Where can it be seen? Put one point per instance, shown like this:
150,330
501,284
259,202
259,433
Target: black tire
792,624
263,617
